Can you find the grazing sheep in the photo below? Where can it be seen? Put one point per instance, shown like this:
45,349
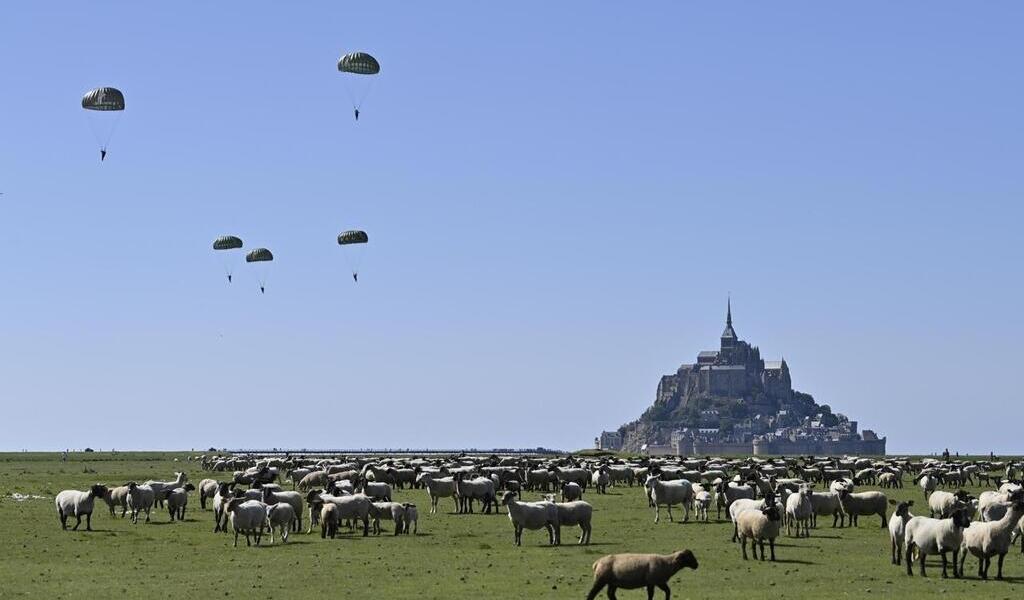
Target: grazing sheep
679,491
576,512
220,504
207,490
826,503
480,488
355,507
159,487
313,480
328,520
863,503
759,525
117,497
632,571
530,515
928,483
898,527
376,490
282,516
140,498
941,504
293,499
985,540
177,500
437,488
799,511
78,504
739,506
296,475
931,536
248,517
701,504
727,492
390,511
619,474
412,517
571,491
600,479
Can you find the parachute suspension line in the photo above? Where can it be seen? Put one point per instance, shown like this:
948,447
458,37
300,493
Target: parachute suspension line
366,92
113,128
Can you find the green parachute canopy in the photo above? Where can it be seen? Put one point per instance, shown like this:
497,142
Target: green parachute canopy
103,98
259,255
227,242
352,237
359,63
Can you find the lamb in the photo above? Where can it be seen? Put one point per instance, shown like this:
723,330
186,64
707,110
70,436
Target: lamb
940,503
577,512
207,490
599,479
928,483
220,504
159,487
632,571
530,515
985,540
78,504
117,497
826,503
140,498
281,516
355,507
328,520
248,517
293,499
898,527
799,511
932,536
679,491
392,511
759,525
177,500
437,488
571,491
701,504
412,517
863,503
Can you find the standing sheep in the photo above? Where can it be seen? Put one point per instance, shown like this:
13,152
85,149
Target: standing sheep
898,528
701,504
863,503
117,497
799,511
140,498
759,525
280,516
530,515
328,520
679,491
985,540
632,571
572,491
931,536
78,504
248,517
177,500
207,490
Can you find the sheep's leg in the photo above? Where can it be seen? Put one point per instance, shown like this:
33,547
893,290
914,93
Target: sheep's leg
672,520
88,521
657,513
999,573
611,592
743,542
78,521
595,590
945,575
63,519
366,526
650,592
761,542
236,538
771,544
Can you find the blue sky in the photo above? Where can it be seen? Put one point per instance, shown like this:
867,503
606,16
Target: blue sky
559,198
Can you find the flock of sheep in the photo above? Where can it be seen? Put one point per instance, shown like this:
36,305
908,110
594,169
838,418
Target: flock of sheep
759,496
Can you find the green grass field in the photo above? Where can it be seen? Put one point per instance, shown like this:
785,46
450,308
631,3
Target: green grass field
454,556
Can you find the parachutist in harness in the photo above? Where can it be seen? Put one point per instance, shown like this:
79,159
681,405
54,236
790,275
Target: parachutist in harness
262,291
357,113
355,277
103,155
229,278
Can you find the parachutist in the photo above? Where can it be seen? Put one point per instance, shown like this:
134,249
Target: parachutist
229,279
357,113
262,291
103,155
355,276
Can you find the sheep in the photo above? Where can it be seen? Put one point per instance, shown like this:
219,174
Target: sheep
932,536
898,527
159,487
599,479
632,571
117,497
177,500
282,516
140,498
392,511
992,505
312,480
437,488
668,493
701,504
940,503
293,499
826,503
248,517
571,491
377,490
727,492
759,525
928,483
480,488
355,507
539,479
576,512
863,503
220,504
296,475
619,473
412,517
530,515
985,540
78,504
207,490
328,520
799,510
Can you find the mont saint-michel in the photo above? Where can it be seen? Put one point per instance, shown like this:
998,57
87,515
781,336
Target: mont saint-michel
731,401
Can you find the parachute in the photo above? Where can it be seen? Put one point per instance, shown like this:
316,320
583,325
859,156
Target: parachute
260,255
100,101
355,240
227,242
358,63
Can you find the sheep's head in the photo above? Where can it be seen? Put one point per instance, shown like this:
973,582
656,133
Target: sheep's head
313,497
684,558
98,490
772,512
234,504
651,479
507,498
961,517
189,487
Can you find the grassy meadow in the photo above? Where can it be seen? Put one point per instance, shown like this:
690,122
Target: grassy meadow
454,556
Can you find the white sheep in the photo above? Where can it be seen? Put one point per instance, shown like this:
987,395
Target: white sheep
826,503
177,500
898,527
941,504
293,499
281,516
727,492
207,490
437,488
355,507
679,491
117,497
928,483
571,491
530,515
931,536
140,498
78,504
220,504
576,512
479,488
412,517
799,511
863,503
632,571
600,479
377,490
739,506
758,526
985,540
312,480
328,520
389,511
248,517
159,487
701,504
